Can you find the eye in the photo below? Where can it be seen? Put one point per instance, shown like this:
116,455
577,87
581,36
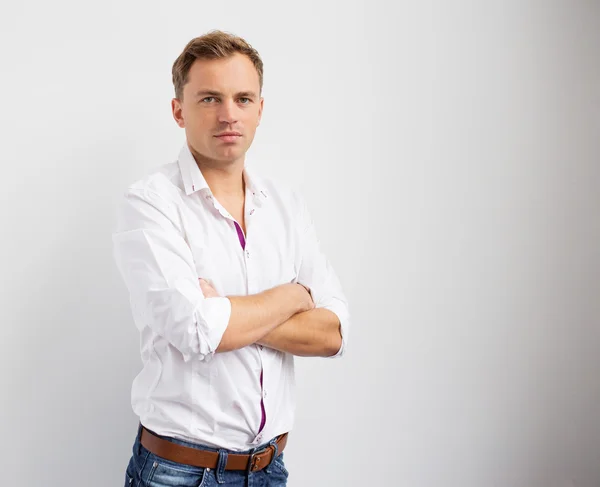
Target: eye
245,100
206,100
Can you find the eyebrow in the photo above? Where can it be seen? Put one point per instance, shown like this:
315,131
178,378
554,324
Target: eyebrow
245,94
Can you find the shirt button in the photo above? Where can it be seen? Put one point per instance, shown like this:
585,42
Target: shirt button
248,253
265,394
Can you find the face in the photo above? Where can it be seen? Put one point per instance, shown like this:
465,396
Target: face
221,109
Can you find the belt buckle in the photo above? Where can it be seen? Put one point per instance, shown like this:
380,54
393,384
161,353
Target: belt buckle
255,459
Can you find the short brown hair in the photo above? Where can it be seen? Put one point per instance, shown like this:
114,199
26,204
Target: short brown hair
213,45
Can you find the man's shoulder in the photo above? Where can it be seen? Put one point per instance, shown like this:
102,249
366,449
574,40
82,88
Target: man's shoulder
164,180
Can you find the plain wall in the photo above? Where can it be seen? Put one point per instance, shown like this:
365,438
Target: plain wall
450,154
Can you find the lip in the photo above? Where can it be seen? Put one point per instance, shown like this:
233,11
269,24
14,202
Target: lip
229,136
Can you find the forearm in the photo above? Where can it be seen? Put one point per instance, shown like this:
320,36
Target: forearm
254,316
313,333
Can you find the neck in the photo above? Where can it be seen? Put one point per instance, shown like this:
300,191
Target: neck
225,179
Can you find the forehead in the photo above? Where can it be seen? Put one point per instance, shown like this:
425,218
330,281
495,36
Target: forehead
232,74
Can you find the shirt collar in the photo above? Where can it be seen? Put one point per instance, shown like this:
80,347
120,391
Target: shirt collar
255,185
193,180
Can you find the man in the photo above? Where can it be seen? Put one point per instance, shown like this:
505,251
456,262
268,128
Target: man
227,284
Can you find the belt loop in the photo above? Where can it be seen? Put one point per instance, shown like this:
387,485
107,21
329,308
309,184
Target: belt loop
273,443
249,466
138,438
221,463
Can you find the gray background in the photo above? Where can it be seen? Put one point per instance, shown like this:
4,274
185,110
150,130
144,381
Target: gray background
450,154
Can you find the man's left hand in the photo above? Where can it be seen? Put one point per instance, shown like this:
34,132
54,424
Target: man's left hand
207,289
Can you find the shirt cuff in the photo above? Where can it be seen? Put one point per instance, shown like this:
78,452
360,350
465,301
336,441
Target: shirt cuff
340,311
212,317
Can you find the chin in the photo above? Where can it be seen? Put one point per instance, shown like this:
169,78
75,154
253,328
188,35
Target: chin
230,155
228,158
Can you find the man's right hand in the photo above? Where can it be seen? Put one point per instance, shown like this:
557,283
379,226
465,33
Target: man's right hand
302,294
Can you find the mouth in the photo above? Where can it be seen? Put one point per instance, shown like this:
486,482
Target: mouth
229,136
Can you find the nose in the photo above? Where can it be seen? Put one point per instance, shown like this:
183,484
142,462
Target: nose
228,112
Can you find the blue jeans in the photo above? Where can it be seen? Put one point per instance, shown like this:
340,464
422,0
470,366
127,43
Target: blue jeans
145,469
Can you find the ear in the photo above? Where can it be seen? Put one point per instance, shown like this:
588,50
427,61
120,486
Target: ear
177,110
260,110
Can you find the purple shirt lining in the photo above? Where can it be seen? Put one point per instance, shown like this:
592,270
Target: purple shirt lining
262,404
240,235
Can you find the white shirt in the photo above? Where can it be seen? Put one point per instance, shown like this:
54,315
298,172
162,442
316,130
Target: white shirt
172,231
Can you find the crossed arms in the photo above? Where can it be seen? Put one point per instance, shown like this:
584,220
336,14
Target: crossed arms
158,268
283,318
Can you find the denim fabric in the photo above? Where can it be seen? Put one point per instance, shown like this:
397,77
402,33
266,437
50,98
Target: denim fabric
145,469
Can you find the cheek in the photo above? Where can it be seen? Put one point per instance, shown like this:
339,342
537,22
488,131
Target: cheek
251,123
199,128
251,132
196,117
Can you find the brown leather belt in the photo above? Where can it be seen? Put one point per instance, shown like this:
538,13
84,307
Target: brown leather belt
209,459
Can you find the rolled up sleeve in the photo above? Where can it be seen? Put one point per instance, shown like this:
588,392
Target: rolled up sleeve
317,273
158,269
